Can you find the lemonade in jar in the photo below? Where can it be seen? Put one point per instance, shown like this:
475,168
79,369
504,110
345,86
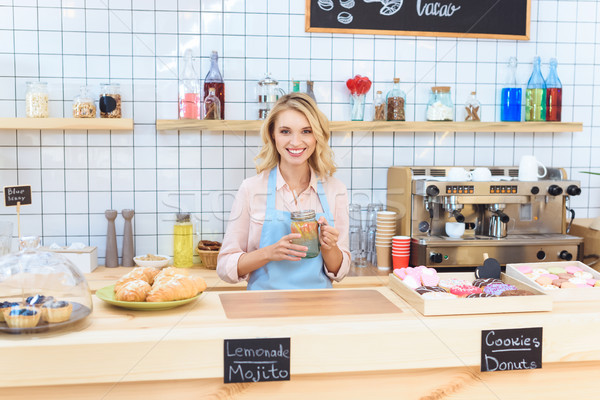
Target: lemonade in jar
304,223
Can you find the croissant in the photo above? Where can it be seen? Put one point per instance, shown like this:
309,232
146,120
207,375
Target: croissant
146,274
136,290
177,287
166,274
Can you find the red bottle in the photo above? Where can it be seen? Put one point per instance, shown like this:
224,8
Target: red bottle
553,94
215,80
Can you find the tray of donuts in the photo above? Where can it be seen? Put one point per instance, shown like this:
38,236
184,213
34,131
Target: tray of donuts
562,280
457,293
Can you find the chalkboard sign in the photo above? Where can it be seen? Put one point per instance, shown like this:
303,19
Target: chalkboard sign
511,349
17,194
257,360
494,19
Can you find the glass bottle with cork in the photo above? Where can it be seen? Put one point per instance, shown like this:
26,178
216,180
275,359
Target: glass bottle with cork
183,241
396,99
535,95
472,108
190,98
553,94
510,109
214,80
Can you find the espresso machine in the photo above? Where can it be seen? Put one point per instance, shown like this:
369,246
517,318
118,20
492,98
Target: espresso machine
512,221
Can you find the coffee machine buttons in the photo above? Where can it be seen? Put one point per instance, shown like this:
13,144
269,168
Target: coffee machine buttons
555,190
503,189
460,189
436,258
541,255
565,255
535,190
573,190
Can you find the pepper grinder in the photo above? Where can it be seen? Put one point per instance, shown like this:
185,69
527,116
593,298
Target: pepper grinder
128,248
112,255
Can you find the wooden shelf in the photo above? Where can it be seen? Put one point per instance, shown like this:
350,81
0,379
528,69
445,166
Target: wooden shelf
380,126
90,124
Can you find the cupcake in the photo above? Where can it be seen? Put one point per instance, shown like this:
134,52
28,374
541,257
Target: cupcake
4,305
56,311
22,317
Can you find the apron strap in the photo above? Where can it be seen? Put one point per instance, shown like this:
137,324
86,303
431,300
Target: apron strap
272,189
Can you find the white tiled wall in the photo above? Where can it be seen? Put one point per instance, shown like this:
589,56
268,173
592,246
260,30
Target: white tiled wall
76,175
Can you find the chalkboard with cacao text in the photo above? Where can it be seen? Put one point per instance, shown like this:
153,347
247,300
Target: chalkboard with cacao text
493,19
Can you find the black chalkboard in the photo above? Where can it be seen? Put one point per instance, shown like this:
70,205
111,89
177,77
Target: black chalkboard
257,360
17,194
498,19
511,349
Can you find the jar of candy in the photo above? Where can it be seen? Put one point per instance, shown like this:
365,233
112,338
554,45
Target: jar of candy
440,106
304,223
110,100
36,100
83,105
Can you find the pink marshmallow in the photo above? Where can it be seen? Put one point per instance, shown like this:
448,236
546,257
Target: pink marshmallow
551,276
591,282
525,269
571,269
400,273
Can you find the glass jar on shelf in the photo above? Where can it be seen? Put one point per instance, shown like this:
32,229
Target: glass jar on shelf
83,105
36,100
472,108
110,100
396,98
440,106
379,107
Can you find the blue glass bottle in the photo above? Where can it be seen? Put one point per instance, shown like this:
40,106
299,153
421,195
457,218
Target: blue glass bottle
510,109
535,95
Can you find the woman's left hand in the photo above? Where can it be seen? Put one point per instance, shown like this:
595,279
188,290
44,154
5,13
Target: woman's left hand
328,237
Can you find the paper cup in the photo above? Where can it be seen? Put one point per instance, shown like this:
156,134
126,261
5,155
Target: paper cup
400,261
384,256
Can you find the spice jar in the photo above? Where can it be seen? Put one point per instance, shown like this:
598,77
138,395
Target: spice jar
440,106
395,102
83,105
379,106
110,100
472,107
36,100
304,223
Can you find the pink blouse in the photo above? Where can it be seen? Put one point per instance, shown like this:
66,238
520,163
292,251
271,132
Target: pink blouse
248,214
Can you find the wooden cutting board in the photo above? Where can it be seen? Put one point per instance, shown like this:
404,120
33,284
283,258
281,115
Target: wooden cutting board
296,303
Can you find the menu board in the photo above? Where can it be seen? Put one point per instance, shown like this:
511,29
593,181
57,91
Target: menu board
511,349
257,360
17,195
494,19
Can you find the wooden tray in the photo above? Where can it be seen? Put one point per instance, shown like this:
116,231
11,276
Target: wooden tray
482,305
575,294
305,303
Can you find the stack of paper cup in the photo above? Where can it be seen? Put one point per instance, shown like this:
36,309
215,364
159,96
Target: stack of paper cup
400,251
386,229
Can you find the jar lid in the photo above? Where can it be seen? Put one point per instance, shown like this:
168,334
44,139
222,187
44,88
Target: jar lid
396,80
443,89
267,80
183,217
303,214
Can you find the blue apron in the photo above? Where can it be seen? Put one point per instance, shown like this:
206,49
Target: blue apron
307,273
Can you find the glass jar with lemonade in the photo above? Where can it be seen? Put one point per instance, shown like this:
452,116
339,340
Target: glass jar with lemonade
304,223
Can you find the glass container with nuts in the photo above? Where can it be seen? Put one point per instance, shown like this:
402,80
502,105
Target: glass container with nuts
36,100
472,108
396,98
83,105
379,106
110,100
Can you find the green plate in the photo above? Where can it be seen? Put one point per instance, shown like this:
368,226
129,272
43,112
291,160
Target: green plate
108,295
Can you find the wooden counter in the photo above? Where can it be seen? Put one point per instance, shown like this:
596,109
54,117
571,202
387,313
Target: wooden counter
178,354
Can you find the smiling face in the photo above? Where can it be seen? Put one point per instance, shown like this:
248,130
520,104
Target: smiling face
294,138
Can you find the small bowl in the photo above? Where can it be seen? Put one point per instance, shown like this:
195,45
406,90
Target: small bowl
153,264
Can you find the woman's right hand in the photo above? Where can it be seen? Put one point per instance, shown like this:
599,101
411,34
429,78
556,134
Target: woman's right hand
284,249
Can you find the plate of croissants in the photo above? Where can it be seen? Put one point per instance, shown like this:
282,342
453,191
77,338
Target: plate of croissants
146,288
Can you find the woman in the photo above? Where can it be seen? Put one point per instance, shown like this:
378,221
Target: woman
295,173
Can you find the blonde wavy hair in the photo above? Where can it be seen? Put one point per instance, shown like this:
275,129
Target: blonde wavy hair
322,158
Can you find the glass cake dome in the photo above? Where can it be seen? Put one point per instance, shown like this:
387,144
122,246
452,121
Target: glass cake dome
40,291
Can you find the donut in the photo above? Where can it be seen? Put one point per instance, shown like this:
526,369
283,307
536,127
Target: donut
427,289
464,290
517,292
475,295
497,288
448,283
438,295
480,283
